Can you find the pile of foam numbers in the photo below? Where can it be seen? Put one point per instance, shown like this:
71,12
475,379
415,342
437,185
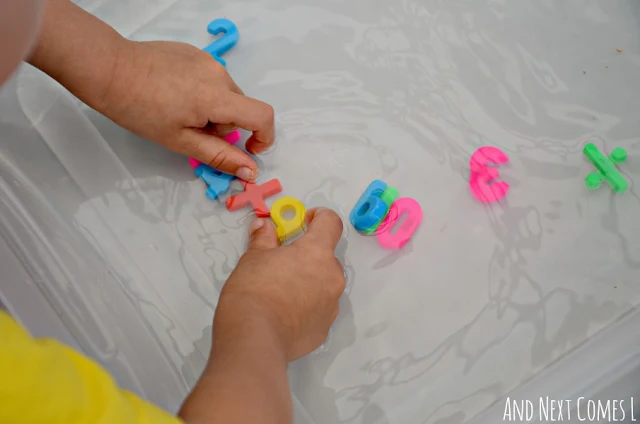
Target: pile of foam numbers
378,211
253,195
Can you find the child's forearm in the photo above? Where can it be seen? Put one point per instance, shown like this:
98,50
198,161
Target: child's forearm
78,50
246,378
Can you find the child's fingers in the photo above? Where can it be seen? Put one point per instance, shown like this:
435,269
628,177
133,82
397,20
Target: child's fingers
250,114
220,130
255,146
262,235
217,153
324,228
234,87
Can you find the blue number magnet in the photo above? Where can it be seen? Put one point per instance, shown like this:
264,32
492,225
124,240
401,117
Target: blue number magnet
226,42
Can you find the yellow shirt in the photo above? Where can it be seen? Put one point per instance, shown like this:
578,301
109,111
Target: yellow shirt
43,381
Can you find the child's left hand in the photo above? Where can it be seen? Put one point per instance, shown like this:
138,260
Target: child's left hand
171,93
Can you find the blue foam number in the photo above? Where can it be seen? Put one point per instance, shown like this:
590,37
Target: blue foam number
226,42
218,183
376,188
370,214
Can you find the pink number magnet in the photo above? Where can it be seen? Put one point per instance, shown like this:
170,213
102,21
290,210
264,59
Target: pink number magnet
390,239
482,181
233,137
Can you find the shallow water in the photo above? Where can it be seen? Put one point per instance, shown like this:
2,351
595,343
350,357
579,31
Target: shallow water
113,245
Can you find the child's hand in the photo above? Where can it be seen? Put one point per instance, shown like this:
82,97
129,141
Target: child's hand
171,93
293,288
277,305
180,97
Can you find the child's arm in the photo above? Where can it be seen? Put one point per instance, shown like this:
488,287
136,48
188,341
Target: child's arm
245,380
171,93
277,306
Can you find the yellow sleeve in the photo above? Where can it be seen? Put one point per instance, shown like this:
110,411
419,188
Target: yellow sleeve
43,381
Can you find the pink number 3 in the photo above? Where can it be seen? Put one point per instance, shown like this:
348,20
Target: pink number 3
482,179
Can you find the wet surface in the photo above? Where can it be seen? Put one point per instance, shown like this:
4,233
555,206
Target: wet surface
118,237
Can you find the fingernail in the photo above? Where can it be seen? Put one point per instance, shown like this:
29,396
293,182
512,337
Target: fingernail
245,174
256,225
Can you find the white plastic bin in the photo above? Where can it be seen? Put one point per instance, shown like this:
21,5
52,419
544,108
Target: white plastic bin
109,243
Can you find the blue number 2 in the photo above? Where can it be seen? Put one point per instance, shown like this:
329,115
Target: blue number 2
226,42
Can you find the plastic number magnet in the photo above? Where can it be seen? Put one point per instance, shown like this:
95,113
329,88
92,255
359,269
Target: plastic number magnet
226,42
606,169
217,182
371,214
374,210
195,163
390,238
388,196
254,195
376,188
482,181
233,137
288,228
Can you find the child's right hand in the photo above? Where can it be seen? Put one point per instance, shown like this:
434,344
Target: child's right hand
293,288
277,306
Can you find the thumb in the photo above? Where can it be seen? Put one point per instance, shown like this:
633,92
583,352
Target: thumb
262,235
219,154
324,228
